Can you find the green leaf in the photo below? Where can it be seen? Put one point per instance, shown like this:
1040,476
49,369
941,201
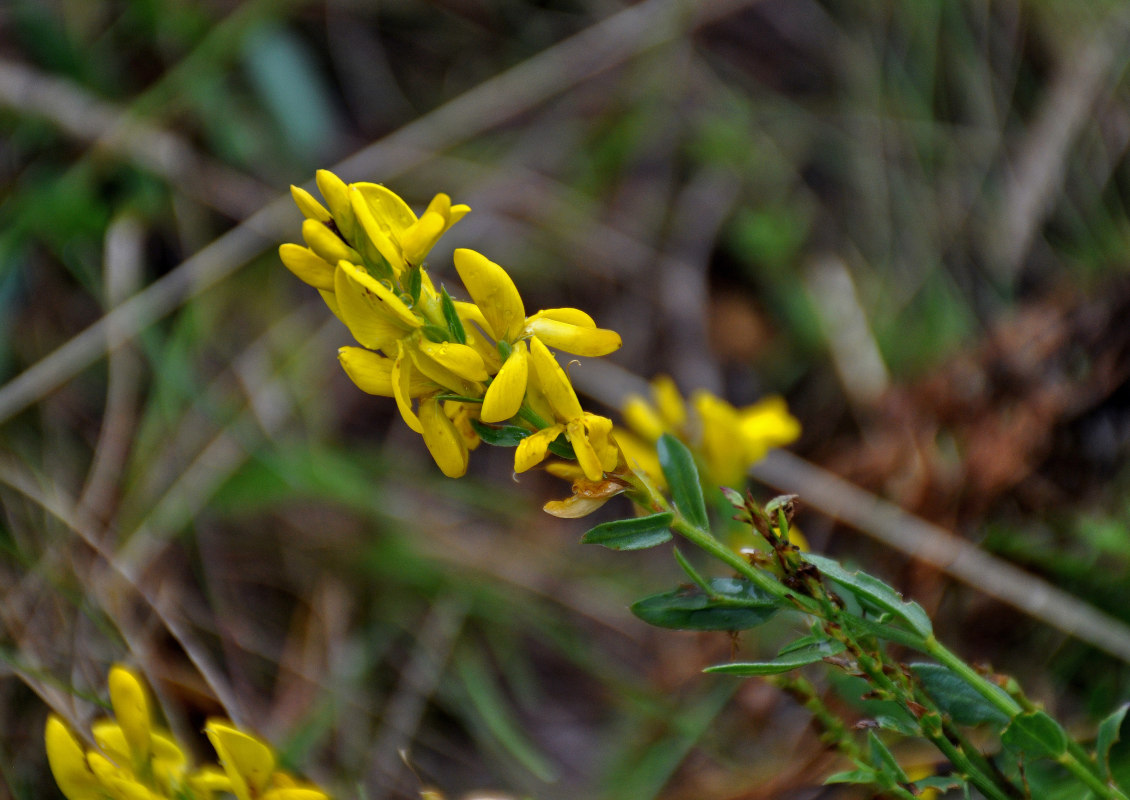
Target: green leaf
731,604
435,333
501,435
415,284
871,591
632,534
882,630
454,324
884,760
561,447
954,696
782,663
862,775
682,479
941,783
1110,732
1036,735
889,722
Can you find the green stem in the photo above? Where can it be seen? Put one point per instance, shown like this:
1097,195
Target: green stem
1088,778
705,541
990,691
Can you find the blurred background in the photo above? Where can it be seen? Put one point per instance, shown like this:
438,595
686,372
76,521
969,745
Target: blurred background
907,218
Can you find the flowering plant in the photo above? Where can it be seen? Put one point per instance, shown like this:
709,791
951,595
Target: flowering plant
464,372
483,371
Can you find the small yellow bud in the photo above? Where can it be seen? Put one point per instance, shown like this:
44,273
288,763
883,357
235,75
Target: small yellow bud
68,764
505,394
442,439
131,709
247,761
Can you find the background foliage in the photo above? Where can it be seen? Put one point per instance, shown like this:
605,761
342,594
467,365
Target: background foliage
908,218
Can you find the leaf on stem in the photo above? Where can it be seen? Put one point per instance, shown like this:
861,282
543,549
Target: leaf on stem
870,591
731,604
682,478
632,534
1110,734
954,696
786,662
1036,735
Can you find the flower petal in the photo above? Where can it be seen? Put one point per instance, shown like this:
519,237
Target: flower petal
68,764
461,359
572,316
768,423
387,208
372,373
582,447
442,439
554,382
642,418
442,375
336,193
723,447
374,315
378,233
493,292
402,388
575,339
599,431
422,235
574,507
531,451
327,244
247,761
310,208
669,402
131,708
508,389
307,265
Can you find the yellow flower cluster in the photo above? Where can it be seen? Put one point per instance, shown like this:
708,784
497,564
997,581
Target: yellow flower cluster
448,364
726,440
135,761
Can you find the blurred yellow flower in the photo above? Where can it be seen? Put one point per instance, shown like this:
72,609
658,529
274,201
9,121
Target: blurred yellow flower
726,440
135,761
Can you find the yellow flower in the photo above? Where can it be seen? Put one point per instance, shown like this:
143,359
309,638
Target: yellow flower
589,434
366,223
727,440
505,320
251,768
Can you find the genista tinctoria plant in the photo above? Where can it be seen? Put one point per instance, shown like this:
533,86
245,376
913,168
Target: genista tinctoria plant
467,371
483,370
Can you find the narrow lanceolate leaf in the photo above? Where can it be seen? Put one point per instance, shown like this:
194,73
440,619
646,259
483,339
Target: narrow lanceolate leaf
1110,732
500,435
1036,735
682,478
632,534
871,591
883,760
731,604
964,704
782,663
415,283
454,324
